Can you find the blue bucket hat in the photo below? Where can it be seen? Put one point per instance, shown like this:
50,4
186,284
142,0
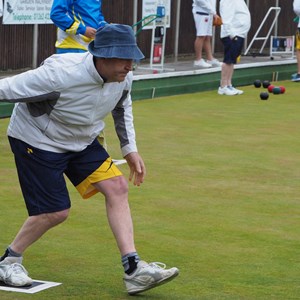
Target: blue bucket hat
115,41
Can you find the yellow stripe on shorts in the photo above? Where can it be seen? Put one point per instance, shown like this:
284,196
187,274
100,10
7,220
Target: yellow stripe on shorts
107,170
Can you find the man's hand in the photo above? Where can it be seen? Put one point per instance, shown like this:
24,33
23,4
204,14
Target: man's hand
137,168
90,32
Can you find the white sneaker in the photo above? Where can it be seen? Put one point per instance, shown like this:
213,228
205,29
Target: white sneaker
214,62
202,64
227,90
148,276
295,77
239,92
13,273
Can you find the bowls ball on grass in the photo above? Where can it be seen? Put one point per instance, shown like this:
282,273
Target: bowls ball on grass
266,84
257,83
264,96
270,88
276,90
282,89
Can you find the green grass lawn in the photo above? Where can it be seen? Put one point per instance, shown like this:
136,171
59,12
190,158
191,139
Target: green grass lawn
220,202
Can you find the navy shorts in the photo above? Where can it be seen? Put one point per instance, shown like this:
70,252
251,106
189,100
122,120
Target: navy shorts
232,49
41,174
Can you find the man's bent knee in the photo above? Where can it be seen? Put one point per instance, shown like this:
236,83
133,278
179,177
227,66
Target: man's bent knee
113,186
121,185
56,218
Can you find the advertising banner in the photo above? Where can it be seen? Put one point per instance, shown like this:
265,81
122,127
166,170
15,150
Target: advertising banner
27,11
150,10
1,8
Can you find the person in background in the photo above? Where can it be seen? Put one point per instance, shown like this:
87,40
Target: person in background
77,22
59,112
204,11
296,7
236,25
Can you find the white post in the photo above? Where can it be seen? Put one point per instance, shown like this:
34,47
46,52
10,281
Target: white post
276,24
35,45
246,39
135,9
177,30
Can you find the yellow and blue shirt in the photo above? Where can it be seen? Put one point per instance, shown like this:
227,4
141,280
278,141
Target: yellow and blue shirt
71,18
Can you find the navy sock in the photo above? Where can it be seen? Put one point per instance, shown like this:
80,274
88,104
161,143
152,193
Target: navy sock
129,262
4,255
10,252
